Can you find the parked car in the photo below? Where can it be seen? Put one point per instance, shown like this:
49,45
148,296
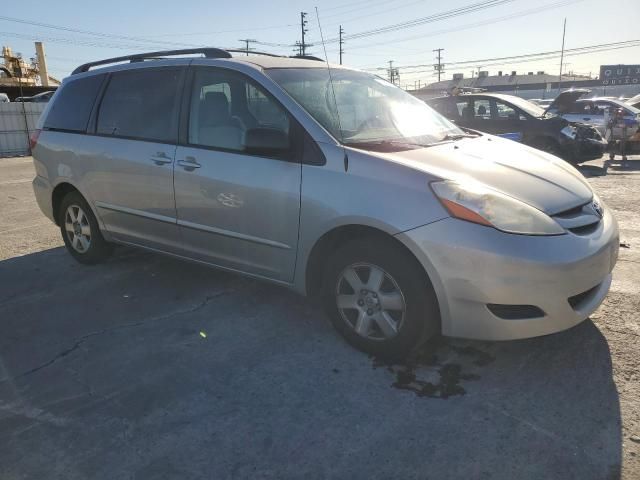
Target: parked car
572,106
520,120
634,101
4,98
38,98
403,224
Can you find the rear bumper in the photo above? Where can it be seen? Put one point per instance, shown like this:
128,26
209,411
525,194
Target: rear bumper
43,193
565,277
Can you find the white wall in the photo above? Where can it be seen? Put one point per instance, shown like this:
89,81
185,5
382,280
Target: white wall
15,126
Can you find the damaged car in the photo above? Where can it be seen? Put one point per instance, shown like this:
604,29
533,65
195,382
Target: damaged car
517,119
574,107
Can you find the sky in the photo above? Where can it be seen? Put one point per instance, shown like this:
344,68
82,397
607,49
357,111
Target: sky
508,28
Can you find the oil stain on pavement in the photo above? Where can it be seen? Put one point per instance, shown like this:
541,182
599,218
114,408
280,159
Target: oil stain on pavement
444,378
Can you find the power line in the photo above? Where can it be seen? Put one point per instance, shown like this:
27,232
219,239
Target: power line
544,56
472,8
77,42
92,33
208,32
484,61
522,13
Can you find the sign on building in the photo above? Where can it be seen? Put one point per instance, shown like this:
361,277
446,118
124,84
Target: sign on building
620,74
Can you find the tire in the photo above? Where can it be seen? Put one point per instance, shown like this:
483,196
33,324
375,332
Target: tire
363,320
80,230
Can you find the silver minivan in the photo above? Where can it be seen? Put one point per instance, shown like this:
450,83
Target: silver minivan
330,181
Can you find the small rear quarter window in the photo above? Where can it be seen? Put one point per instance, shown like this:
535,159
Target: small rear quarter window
72,105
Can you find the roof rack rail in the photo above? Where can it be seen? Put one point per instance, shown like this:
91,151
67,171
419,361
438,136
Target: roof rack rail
139,57
308,57
251,52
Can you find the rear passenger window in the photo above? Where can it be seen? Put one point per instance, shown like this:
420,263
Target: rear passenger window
482,109
72,106
141,104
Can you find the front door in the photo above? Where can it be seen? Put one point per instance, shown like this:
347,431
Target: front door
507,120
238,204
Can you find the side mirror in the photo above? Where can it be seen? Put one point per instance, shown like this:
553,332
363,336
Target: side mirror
266,141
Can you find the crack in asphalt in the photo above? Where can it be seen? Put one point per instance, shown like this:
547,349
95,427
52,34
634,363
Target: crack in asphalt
87,336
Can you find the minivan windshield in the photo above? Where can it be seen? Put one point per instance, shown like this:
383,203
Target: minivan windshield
371,110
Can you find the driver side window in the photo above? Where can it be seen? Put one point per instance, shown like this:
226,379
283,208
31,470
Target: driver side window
229,112
506,112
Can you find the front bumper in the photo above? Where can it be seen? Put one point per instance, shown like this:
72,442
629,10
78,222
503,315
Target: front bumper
566,277
583,149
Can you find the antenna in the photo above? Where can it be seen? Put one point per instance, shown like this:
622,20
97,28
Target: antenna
333,91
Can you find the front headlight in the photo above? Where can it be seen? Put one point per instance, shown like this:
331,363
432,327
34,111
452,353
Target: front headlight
477,203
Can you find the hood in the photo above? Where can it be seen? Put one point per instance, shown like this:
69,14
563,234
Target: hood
565,99
534,177
634,101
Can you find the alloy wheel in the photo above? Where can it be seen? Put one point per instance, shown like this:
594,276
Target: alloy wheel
78,229
370,301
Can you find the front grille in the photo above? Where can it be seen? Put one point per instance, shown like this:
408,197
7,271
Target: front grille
585,229
580,299
580,220
571,213
515,312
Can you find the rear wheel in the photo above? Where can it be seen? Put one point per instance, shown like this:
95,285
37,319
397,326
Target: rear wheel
80,230
379,298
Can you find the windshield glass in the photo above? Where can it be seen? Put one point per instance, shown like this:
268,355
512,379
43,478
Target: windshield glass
371,110
529,107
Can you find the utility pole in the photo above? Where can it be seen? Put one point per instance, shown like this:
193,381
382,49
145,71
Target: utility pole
439,67
303,30
340,32
564,30
394,73
247,41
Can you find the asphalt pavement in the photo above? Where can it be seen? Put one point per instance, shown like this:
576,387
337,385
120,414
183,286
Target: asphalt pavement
146,367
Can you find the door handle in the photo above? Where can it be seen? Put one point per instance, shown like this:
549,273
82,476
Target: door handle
586,118
189,164
161,158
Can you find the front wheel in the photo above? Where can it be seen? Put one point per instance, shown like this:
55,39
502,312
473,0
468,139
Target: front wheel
380,299
80,230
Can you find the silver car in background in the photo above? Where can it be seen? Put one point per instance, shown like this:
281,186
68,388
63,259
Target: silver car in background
334,183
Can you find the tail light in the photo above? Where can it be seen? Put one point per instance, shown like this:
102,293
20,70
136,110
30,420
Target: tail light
33,139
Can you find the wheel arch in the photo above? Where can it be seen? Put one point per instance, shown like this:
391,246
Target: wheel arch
336,237
63,188
58,193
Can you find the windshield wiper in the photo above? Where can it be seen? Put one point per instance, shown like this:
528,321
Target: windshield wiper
382,143
457,136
